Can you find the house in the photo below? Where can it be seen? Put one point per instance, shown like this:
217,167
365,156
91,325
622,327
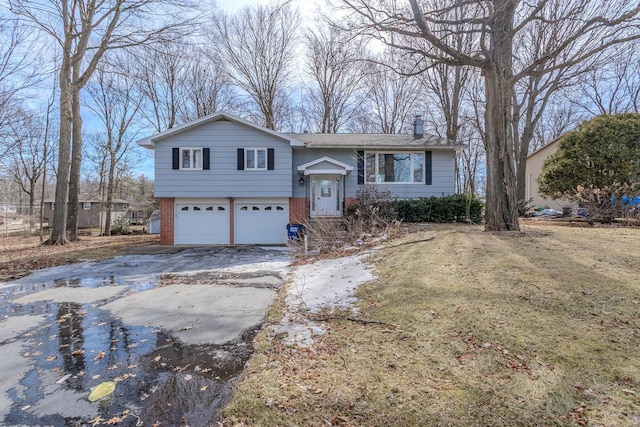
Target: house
223,180
91,212
533,167
139,212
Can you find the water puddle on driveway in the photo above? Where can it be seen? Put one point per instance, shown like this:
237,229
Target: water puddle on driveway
161,376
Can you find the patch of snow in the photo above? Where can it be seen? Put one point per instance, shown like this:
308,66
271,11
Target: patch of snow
328,283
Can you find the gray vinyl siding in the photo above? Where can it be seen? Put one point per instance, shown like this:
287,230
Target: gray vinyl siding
443,173
223,138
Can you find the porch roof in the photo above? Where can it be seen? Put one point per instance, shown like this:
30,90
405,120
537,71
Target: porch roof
325,166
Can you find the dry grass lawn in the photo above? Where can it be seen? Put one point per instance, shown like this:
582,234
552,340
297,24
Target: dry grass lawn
485,329
21,254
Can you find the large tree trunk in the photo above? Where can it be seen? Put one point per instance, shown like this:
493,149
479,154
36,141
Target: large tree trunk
76,160
501,211
59,226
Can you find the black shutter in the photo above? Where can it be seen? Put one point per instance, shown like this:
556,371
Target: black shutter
176,158
205,159
240,159
360,167
427,168
271,159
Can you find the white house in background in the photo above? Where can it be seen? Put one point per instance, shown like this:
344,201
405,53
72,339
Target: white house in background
223,180
535,162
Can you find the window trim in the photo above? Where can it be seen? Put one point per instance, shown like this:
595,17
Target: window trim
191,158
86,206
255,158
376,166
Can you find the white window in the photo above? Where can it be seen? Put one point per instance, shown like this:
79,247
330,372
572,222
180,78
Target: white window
86,205
255,158
53,206
191,158
394,167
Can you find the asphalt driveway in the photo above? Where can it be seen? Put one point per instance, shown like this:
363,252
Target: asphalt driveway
172,330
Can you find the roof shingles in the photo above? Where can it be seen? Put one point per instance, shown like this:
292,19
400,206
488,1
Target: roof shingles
368,140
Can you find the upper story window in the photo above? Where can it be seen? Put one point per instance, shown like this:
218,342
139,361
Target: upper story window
398,167
86,205
255,158
191,158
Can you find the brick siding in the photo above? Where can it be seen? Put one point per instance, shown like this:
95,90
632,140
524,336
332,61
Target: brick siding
298,210
166,220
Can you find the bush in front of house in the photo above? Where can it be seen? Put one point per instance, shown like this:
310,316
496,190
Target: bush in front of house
121,226
455,208
376,206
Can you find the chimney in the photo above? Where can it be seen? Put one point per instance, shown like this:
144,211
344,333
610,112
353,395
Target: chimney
418,127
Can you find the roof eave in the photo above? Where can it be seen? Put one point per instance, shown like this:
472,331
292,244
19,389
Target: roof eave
387,147
150,141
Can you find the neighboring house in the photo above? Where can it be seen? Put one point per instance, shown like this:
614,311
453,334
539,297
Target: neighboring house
535,162
223,180
139,213
91,213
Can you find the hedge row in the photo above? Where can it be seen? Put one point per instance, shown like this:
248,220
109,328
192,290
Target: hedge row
440,209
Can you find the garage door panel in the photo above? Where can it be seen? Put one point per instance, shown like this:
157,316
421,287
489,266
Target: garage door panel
261,222
201,223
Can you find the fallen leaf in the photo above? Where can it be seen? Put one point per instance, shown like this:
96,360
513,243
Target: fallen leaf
51,358
101,354
188,377
77,353
204,388
24,408
156,359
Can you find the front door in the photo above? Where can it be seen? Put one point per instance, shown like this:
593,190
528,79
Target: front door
325,196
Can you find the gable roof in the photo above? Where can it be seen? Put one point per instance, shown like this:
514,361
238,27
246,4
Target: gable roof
375,140
150,141
335,164
545,146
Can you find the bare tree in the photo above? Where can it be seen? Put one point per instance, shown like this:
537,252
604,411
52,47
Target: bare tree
580,30
17,71
259,46
208,86
614,86
26,161
336,77
161,71
391,98
116,102
84,30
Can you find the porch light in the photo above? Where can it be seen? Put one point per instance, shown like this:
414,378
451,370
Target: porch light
301,180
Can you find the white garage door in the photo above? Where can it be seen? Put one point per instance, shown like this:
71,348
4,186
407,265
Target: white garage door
201,223
261,222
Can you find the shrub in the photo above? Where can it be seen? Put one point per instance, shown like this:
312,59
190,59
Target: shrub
120,226
374,207
455,208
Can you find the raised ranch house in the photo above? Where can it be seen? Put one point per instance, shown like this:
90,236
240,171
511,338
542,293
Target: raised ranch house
223,180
